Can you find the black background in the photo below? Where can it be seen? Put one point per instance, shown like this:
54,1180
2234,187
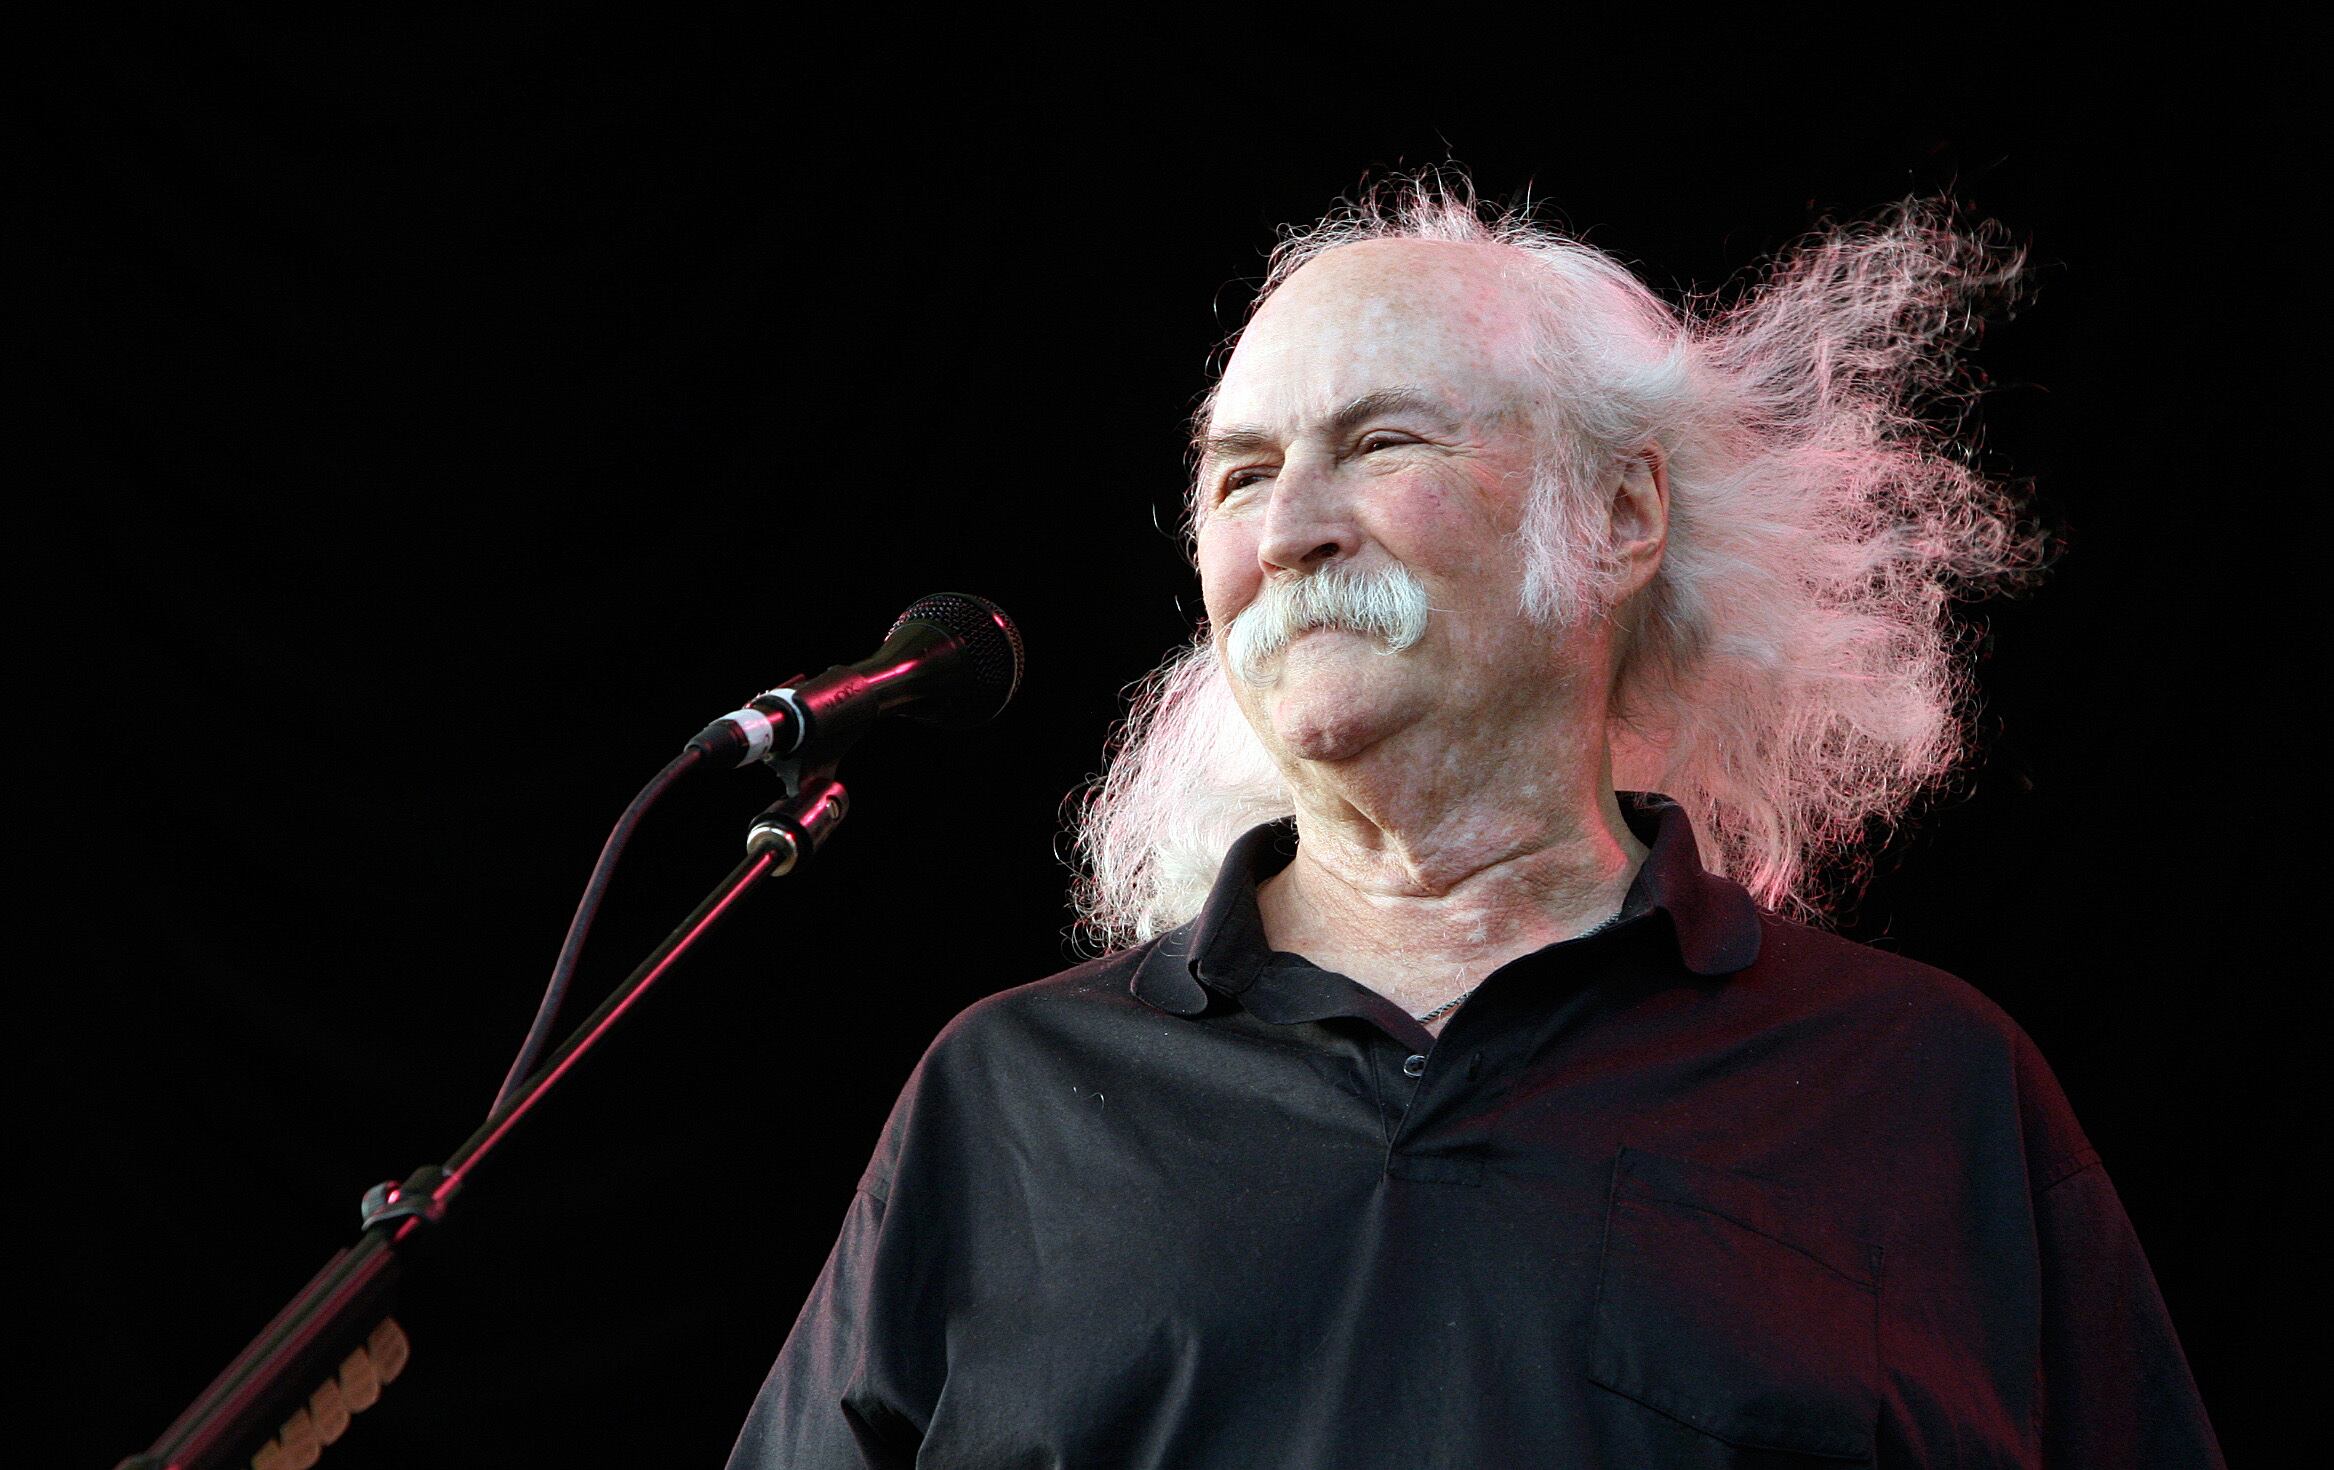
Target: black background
437,427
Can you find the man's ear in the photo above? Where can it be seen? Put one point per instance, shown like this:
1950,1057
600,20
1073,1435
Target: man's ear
1639,508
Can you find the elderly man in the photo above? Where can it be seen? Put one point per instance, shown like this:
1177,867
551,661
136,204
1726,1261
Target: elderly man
1450,1104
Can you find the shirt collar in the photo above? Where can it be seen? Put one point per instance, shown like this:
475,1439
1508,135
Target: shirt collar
1715,923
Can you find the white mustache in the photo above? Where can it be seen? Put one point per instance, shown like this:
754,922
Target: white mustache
1388,604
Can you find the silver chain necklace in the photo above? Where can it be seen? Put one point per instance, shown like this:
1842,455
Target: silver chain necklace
1450,1004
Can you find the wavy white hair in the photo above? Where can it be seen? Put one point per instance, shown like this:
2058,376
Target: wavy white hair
1793,674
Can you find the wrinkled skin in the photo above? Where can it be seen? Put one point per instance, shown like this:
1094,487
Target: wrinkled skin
1455,800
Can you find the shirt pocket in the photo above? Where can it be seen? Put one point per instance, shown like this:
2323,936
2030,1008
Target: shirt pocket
1734,1305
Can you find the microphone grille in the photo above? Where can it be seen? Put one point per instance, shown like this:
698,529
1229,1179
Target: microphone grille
991,644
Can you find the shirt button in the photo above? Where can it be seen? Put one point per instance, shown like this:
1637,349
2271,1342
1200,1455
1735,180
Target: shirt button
1413,1066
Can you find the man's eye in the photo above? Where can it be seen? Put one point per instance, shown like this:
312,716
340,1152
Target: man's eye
1382,441
1240,480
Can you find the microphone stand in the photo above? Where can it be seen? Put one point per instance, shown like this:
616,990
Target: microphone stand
279,1373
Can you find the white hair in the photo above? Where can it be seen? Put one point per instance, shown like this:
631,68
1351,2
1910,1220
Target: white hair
1792,675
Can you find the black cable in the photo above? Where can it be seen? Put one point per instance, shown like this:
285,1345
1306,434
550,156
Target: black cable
588,909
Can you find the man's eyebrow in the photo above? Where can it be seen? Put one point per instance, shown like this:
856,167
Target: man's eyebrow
1243,438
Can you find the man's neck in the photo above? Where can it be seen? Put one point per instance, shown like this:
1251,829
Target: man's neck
1421,904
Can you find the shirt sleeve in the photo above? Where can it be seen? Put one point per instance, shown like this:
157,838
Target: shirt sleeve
2113,1386
816,1410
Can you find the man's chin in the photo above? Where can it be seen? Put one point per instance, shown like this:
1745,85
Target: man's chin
1319,715
1328,736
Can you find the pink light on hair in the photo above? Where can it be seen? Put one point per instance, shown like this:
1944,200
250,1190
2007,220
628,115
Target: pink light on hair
1793,675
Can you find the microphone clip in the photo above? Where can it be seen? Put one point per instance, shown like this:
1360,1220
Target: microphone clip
793,828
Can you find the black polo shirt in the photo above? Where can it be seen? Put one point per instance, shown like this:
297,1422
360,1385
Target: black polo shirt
1704,1188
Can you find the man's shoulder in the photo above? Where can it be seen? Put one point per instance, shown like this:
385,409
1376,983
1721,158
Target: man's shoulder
1090,1001
1029,1047
1930,1040
1862,984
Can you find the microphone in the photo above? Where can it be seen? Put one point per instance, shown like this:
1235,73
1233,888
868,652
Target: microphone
951,659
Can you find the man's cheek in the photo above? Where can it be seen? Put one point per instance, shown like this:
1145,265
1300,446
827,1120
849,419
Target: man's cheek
1225,584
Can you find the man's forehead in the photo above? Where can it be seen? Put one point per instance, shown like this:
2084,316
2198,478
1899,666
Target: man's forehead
1425,319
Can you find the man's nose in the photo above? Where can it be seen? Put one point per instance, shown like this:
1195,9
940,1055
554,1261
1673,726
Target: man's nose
1308,523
